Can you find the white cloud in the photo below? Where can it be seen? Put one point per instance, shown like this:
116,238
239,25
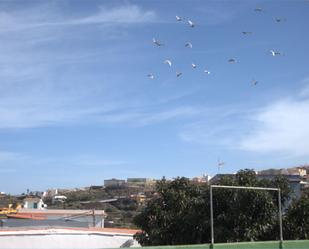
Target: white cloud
121,15
18,161
305,91
280,127
44,16
148,116
217,126
179,112
44,82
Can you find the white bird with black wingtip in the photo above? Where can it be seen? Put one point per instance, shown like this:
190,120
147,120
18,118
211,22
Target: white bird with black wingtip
191,24
156,42
188,45
178,18
275,53
150,76
168,62
206,71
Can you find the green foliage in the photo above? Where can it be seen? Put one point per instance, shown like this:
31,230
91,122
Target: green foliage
176,215
179,214
297,218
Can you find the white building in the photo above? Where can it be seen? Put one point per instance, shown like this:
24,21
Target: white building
59,198
34,203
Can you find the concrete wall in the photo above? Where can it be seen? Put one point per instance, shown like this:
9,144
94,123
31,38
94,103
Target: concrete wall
61,239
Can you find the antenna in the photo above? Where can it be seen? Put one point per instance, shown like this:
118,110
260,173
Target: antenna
220,164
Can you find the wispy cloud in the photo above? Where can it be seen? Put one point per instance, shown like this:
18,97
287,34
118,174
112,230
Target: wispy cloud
45,82
218,12
305,91
57,171
44,16
127,14
148,116
19,161
217,126
280,127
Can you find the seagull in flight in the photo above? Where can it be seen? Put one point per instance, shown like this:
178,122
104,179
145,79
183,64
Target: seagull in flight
188,45
206,71
150,76
168,62
274,53
178,74
232,60
246,33
192,25
280,19
220,163
156,42
255,82
193,65
178,18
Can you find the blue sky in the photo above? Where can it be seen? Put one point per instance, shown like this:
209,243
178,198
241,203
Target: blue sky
76,106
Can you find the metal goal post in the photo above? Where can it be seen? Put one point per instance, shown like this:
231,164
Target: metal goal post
243,187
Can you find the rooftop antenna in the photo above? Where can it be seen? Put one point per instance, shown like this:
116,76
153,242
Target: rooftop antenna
220,164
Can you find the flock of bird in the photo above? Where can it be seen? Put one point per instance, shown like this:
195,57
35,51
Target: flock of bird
189,45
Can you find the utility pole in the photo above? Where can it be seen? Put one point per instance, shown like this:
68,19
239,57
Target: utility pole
93,217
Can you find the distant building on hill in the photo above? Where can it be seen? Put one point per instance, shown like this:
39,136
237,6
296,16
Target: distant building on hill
59,199
49,193
216,178
297,177
140,181
114,182
140,198
201,179
301,171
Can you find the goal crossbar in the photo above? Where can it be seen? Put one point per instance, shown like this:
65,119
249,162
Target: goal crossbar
244,187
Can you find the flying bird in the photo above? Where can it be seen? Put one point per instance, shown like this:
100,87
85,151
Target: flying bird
193,65
232,60
188,45
156,42
192,25
246,33
168,62
274,53
255,82
150,76
220,163
178,74
206,71
178,18
280,19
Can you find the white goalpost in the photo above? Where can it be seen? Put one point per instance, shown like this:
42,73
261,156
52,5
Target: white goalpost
250,188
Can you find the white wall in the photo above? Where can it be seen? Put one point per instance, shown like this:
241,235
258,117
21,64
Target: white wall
63,241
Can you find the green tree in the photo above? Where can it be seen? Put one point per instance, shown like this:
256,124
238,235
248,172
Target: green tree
297,218
177,215
244,215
